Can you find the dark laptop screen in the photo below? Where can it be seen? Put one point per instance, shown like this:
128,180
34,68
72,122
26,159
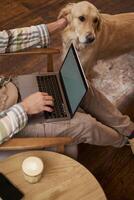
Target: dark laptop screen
73,79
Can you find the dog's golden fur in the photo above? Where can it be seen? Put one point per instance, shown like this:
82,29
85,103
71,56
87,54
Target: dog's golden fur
112,34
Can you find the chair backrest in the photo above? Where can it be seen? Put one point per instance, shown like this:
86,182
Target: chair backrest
37,143
49,52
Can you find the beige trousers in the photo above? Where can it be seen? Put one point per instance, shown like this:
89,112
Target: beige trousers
101,124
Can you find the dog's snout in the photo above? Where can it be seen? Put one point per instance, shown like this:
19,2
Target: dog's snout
90,38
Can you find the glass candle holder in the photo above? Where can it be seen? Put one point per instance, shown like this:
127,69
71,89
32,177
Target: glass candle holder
32,168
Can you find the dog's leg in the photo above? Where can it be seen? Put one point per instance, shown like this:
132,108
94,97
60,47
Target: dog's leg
88,59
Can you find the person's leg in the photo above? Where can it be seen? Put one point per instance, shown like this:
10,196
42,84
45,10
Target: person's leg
97,105
82,127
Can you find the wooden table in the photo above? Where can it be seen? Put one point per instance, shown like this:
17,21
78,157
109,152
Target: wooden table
63,178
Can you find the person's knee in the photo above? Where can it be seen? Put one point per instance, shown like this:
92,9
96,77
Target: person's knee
82,126
86,120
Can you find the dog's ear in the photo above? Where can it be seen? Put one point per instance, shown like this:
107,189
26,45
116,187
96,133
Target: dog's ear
99,21
66,11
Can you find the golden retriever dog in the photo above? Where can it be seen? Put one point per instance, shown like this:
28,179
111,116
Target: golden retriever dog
96,35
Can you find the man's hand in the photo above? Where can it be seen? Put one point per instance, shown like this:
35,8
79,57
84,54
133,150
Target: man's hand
57,25
37,103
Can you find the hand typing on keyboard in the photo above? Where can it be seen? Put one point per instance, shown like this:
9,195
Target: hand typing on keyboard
50,84
38,102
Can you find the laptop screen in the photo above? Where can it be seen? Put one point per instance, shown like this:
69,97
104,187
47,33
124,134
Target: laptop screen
73,79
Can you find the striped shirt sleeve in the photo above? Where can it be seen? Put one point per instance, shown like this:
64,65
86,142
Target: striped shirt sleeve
12,121
15,118
22,38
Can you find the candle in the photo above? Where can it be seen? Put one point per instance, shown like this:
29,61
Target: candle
32,168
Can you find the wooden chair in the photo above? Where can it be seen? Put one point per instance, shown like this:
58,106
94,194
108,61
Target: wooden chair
37,143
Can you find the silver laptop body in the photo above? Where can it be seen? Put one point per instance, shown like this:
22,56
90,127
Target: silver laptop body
71,82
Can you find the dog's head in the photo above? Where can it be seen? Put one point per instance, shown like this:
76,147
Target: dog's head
83,19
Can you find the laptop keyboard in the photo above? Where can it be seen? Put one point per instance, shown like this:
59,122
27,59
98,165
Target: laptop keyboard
50,85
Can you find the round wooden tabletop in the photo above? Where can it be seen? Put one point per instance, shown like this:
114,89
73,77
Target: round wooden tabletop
63,178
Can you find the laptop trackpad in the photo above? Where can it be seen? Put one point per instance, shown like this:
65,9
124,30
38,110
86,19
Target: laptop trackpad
27,84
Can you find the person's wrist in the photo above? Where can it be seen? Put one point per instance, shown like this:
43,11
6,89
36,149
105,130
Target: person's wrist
24,105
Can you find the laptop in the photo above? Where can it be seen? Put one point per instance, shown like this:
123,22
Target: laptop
67,86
